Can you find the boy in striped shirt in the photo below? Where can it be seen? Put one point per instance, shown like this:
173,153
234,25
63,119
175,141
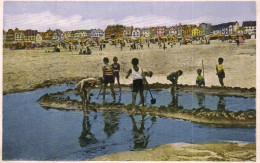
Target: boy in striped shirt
108,76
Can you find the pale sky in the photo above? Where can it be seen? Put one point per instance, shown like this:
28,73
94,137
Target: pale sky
87,15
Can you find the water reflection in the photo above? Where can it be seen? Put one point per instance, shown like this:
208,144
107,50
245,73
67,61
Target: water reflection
221,104
86,136
175,100
201,100
111,122
140,139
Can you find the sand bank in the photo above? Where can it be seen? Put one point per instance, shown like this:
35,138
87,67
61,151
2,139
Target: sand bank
188,152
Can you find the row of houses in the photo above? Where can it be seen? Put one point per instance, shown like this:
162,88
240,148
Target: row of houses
190,31
129,32
50,35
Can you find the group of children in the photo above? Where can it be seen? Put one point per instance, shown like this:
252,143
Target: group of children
220,69
111,72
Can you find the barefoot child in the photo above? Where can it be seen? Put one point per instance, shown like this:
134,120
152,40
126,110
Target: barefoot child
116,70
84,86
220,68
200,78
138,80
108,78
173,77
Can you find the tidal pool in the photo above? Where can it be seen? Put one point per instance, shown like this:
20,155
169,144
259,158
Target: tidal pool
31,132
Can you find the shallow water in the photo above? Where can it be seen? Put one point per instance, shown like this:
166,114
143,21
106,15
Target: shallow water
31,132
180,99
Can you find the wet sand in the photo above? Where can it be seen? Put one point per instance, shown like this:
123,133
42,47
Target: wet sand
30,69
215,118
188,152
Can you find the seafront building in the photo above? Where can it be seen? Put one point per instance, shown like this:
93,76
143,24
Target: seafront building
128,32
225,28
206,27
112,32
249,27
136,33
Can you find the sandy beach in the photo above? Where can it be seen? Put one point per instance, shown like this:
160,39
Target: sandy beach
188,152
28,69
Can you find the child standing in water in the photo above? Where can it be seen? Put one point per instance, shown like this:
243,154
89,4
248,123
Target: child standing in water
116,70
84,86
200,78
173,77
108,78
220,68
138,80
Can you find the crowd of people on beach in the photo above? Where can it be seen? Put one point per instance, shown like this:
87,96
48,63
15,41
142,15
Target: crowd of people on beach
111,73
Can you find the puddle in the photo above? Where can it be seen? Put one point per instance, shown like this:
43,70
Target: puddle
31,132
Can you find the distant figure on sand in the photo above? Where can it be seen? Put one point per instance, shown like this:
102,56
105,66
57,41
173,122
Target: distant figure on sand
116,70
220,68
200,78
164,46
173,77
108,78
100,47
84,86
138,80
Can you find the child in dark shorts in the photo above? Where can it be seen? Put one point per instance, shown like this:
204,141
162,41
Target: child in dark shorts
108,79
220,68
116,70
138,80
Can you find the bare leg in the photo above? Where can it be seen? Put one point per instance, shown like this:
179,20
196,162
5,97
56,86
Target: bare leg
134,98
104,92
118,81
83,101
221,82
142,97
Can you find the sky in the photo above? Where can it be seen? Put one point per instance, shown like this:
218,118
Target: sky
71,15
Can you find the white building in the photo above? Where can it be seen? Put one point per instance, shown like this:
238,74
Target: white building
225,28
145,32
81,34
250,27
38,38
136,33
97,33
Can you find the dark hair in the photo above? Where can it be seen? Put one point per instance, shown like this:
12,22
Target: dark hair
115,58
150,74
135,61
106,59
180,72
220,59
199,70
